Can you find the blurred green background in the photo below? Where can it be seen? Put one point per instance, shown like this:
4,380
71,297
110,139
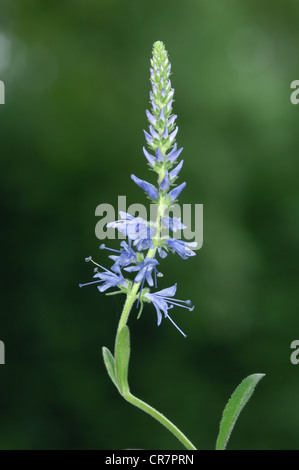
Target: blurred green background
77,83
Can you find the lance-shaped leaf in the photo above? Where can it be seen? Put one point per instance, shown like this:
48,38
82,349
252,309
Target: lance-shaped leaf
234,407
122,356
110,364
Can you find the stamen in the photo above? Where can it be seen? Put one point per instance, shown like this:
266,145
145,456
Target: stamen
180,305
102,267
141,288
185,336
103,247
88,283
171,299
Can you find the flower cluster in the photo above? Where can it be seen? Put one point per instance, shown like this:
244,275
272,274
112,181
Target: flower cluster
144,244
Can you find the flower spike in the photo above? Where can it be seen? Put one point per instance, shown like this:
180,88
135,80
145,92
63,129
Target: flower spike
135,262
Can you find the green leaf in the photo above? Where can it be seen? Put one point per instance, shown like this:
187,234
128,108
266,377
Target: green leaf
115,292
140,310
110,364
122,356
234,407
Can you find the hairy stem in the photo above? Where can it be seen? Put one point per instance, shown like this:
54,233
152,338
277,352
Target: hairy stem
161,418
133,294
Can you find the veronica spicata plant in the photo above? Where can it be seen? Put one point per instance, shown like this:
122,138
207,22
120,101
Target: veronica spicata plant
135,267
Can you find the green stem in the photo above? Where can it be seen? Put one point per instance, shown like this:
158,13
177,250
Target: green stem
131,297
161,418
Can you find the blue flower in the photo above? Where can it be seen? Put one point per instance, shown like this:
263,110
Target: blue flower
107,279
154,133
136,229
110,279
174,224
159,156
126,256
162,158
148,138
173,135
181,247
174,194
123,223
149,157
144,242
174,173
163,301
174,154
145,271
162,253
165,183
151,118
147,187
172,120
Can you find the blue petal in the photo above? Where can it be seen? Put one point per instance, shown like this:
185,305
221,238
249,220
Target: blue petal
174,154
162,253
169,105
174,224
174,194
165,133
173,134
126,215
131,269
148,138
165,183
174,173
154,133
147,187
151,118
172,119
149,157
154,87
161,116
168,292
159,156
182,248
